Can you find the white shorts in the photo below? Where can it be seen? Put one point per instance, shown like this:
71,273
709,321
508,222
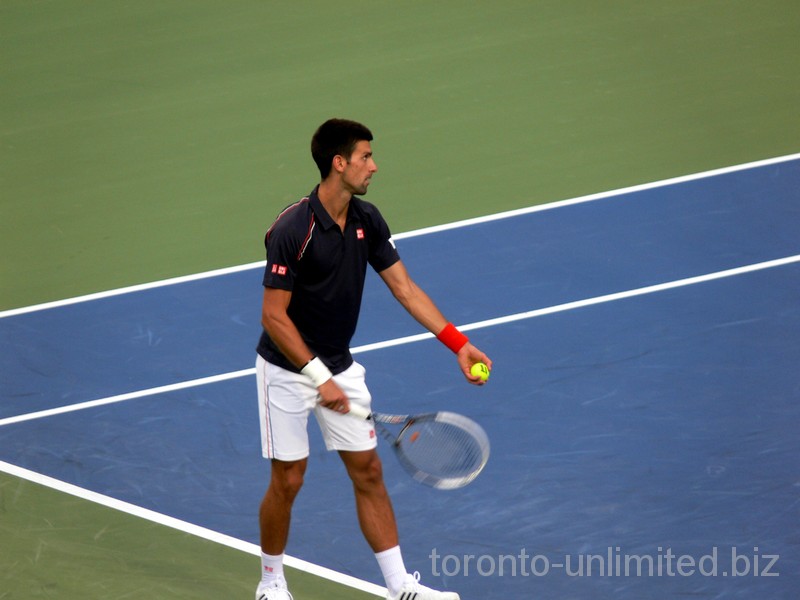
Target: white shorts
285,400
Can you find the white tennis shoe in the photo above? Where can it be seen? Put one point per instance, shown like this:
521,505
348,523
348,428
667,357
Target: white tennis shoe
413,590
277,590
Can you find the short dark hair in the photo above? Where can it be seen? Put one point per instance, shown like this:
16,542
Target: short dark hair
336,137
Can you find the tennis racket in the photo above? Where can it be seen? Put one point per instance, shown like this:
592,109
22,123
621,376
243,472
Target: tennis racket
444,450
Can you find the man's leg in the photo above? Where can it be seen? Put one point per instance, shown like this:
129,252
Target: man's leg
373,505
276,508
376,517
275,516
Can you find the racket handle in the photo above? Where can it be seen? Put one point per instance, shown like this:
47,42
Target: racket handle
358,411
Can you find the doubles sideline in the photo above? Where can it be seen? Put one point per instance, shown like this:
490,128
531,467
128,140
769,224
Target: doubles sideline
424,231
186,527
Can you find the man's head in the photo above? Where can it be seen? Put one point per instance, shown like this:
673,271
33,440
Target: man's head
336,137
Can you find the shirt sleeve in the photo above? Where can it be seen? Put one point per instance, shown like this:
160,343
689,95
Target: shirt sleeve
383,252
282,258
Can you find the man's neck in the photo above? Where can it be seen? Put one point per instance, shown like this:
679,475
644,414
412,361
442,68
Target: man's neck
335,199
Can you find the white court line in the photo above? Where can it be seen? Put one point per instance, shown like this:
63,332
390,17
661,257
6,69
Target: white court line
186,527
650,289
163,389
291,561
410,234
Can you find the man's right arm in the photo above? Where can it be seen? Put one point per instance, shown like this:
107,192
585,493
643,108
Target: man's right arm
280,327
283,332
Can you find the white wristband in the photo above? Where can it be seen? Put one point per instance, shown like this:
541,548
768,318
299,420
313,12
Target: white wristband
316,370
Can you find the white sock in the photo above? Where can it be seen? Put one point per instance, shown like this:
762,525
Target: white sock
271,567
394,570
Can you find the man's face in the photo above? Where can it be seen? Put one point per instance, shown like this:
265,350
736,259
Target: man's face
359,169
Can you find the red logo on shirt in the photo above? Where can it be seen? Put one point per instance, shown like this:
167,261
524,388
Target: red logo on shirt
279,269
360,233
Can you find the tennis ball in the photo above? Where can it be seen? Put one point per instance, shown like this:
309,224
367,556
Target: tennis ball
479,370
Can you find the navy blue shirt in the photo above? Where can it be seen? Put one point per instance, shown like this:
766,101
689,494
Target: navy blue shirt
324,268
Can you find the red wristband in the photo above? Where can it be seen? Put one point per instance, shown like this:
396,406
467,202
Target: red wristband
452,337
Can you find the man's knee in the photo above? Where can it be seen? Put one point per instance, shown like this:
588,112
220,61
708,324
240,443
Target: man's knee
287,478
365,469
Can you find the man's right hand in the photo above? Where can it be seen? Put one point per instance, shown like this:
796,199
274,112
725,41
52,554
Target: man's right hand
333,398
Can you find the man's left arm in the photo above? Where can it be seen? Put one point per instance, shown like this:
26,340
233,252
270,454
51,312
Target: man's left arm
422,308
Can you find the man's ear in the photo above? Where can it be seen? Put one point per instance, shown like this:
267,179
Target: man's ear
339,163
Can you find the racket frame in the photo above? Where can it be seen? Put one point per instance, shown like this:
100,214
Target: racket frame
406,421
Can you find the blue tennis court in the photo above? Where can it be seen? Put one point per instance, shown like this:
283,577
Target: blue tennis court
643,409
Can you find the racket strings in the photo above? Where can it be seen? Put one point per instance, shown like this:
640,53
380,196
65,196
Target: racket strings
443,450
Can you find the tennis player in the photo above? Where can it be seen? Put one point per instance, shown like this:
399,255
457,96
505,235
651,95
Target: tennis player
317,253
